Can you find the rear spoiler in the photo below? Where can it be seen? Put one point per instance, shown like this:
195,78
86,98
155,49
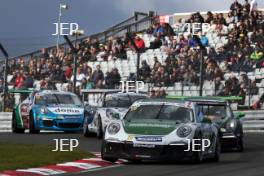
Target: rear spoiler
94,91
227,98
100,91
21,90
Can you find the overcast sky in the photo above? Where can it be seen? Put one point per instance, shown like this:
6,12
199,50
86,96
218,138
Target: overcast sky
27,25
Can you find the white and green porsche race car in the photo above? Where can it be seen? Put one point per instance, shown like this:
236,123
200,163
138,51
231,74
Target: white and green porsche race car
161,130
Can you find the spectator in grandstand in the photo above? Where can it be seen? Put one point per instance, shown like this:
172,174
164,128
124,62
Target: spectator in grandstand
112,79
210,17
79,77
233,84
131,77
144,71
57,74
242,94
19,78
191,41
152,94
157,43
102,54
140,44
168,30
229,19
162,93
235,7
253,88
44,53
253,6
158,30
98,76
204,40
28,82
68,72
219,86
50,84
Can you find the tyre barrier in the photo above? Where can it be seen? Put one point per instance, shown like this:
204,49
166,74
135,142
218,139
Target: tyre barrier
252,122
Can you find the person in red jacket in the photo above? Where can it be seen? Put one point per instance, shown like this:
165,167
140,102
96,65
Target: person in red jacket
19,80
139,42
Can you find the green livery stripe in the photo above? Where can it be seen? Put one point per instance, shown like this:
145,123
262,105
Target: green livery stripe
154,127
18,117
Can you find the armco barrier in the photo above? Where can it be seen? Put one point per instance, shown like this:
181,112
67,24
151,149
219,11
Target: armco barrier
252,122
5,121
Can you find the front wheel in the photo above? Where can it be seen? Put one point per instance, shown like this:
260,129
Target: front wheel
240,145
32,128
217,151
198,155
103,150
15,129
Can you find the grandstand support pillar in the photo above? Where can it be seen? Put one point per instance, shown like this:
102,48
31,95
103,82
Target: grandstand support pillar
201,80
75,52
5,75
74,72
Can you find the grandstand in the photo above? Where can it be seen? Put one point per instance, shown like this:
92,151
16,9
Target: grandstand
233,60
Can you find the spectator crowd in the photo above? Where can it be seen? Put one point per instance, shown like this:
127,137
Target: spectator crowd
242,29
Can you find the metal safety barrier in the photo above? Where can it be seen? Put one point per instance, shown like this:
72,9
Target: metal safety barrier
252,122
5,121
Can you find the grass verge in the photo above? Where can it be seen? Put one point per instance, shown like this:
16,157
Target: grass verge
19,156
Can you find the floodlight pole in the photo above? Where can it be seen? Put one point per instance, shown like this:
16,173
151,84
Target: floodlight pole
59,21
5,74
62,6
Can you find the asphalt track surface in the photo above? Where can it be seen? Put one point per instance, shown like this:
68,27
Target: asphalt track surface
248,163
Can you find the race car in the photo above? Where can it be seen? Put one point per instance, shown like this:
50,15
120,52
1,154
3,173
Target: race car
109,102
48,110
219,110
160,129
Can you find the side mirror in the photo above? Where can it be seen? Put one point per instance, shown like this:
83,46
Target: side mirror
206,120
116,116
239,115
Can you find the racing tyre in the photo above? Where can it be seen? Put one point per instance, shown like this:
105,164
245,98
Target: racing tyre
86,131
240,145
32,128
217,151
103,149
198,155
14,125
99,132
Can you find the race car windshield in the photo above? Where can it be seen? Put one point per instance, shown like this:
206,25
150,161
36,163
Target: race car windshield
121,101
57,99
160,112
216,112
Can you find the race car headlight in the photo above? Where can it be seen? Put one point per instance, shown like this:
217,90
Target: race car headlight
43,110
184,131
231,124
113,128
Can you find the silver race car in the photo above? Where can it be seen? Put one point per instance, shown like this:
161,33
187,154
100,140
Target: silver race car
161,130
103,104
